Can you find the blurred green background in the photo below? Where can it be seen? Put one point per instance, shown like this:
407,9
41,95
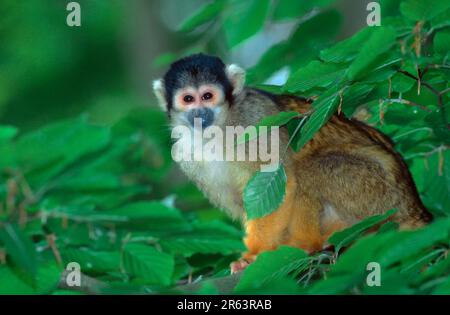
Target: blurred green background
49,70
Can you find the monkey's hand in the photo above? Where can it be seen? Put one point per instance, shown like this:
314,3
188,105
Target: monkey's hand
241,264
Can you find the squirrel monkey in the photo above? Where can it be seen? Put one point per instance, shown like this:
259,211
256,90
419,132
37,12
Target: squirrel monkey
348,171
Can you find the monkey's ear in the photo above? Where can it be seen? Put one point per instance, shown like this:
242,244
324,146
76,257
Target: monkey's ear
160,92
236,75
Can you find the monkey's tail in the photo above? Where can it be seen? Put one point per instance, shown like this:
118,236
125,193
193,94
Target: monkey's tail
412,213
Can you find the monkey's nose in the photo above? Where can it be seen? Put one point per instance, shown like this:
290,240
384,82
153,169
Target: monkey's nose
205,114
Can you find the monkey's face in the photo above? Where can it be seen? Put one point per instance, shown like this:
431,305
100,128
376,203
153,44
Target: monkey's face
205,102
197,89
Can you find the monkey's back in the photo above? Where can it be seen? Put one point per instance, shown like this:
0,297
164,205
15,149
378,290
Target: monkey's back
354,168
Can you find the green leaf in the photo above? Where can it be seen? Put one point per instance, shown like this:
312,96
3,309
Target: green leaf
203,244
92,261
347,50
47,280
324,108
244,19
383,67
441,42
148,264
315,74
410,243
349,235
354,96
437,182
280,119
436,270
401,83
264,193
338,284
293,128
20,248
47,151
216,227
401,114
47,277
388,226
205,14
154,216
443,288
441,20
393,282
379,42
350,268
268,267
12,284
423,10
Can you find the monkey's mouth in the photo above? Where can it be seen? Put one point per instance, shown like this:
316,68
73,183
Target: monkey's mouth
200,117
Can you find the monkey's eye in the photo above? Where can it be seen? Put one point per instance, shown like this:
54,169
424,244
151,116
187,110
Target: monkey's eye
188,98
207,96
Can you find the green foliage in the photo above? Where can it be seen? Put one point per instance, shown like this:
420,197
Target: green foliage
19,248
346,237
269,268
77,192
380,41
49,70
325,106
418,10
245,18
204,14
147,263
279,119
315,74
105,196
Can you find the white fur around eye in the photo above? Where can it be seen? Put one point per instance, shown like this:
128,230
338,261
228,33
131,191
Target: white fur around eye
236,75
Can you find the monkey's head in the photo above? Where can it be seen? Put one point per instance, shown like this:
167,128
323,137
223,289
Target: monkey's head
199,86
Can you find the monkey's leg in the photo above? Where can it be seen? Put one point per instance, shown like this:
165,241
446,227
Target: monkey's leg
295,223
304,226
261,235
268,232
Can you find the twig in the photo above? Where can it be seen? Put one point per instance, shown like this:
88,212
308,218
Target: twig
51,240
439,94
395,138
2,256
406,102
300,124
87,284
225,285
440,148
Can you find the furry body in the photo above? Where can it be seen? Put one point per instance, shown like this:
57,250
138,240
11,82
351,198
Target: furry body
347,172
